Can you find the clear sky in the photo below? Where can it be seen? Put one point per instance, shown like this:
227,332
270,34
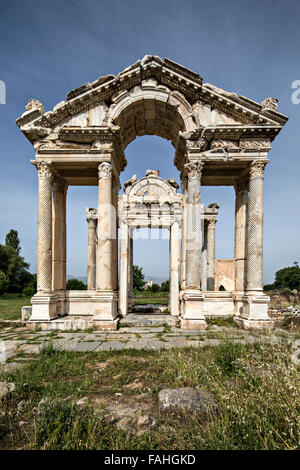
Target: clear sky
49,47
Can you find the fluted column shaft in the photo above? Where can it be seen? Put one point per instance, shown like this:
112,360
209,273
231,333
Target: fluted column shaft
211,254
183,236
44,233
255,227
193,228
204,258
130,267
123,288
174,268
59,234
240,245
92,245
106,229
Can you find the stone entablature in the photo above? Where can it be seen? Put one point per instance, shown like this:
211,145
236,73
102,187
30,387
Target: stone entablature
219,139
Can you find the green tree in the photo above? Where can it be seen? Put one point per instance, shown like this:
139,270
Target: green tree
75,284
138,278
14,267
4,283
12,240
155,288
165,286
288,278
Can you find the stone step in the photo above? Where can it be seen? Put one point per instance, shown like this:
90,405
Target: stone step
133,320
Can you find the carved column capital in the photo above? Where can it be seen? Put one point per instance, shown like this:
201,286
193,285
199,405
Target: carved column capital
104,170
92,223
193,169
257,168
211,223
45,169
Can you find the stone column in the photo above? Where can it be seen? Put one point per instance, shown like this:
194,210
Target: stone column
130,267
59,234
44,235
115,196
92,244
191,298
65,237
183,235
211,254
123,288
255,228
255,310
44,302
204,258
240,245
193,228
174,268
105,229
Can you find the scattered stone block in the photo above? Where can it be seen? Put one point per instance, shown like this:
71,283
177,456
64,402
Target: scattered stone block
187,400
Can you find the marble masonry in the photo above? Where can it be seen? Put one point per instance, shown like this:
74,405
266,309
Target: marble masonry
219,138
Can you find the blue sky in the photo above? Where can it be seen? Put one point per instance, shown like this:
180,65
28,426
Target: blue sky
49,47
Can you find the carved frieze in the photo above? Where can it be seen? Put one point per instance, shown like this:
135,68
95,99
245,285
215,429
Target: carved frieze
254,144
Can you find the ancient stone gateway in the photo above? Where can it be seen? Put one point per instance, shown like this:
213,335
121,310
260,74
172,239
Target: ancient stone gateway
219,139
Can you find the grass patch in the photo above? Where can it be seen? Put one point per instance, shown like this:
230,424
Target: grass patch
256,387
10,306
228,322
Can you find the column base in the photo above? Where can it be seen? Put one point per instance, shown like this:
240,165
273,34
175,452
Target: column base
44,306
191,309
105,308
254,311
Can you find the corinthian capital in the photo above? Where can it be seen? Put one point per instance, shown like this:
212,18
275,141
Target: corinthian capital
45,169
193,169
104,170
257,168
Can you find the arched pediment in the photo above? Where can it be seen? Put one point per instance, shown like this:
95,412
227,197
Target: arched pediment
152,189
153,96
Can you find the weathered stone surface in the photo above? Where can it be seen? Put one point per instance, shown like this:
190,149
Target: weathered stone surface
187,400
6,388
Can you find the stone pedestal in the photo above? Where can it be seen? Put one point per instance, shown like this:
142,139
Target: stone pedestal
192,317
